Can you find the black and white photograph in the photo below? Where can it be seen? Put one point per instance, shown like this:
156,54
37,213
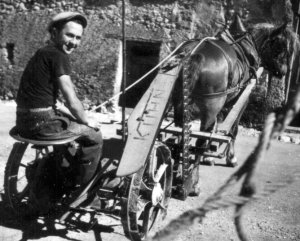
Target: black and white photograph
149,120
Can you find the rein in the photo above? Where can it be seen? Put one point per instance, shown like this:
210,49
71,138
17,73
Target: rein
239,39
232,89
202,41
219,94
265,40
228,91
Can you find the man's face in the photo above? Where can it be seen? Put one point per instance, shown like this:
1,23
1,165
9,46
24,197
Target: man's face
69,37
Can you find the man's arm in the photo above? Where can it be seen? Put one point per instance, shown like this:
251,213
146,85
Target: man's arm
74,104
59,106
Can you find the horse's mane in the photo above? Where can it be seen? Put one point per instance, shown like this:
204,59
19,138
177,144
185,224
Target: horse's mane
293,38
262,29
263,26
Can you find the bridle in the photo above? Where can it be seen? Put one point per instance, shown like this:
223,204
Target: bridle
266,50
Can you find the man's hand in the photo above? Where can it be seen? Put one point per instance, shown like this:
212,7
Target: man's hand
59,106
93,122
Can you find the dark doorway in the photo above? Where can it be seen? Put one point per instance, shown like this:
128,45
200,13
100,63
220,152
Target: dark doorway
141,58
10,52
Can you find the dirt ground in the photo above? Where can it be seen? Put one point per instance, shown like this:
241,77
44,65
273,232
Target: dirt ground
276,217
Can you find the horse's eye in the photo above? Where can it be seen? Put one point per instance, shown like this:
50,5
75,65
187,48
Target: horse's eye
277,47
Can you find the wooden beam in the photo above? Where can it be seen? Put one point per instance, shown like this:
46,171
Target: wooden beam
197,134
234,113
145,120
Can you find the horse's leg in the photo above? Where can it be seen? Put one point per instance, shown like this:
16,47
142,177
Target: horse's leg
206,73
231,159
195,190
201,145
210,108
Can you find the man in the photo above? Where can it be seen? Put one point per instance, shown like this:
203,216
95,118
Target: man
47,73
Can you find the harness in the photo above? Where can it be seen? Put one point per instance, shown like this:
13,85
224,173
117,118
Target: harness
245,59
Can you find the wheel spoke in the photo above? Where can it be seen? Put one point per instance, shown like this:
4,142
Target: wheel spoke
160,172
153,217
15,177
145,187
23,193
141,206
22,177
23,165
12,177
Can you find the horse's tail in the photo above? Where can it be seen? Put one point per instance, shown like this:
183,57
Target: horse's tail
185,84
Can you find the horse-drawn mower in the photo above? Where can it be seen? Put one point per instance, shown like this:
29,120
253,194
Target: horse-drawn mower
163,160
160,159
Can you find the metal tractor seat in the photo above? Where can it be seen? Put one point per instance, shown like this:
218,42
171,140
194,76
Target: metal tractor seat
61,138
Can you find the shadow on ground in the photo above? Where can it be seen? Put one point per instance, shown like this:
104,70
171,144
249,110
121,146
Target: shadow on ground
48,225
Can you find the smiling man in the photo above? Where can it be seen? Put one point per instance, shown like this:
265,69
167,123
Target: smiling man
48,73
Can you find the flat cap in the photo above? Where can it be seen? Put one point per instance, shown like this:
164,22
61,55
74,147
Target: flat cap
65,17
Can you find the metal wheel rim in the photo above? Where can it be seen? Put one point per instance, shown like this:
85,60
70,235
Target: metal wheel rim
134,227
15,183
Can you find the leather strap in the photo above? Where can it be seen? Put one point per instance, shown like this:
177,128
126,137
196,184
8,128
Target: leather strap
26,110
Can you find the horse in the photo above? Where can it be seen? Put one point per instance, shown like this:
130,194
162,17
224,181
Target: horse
215,70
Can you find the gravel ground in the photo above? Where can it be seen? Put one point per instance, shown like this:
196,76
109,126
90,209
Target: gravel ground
273,218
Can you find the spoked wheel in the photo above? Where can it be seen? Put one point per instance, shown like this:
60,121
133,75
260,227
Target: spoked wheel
147,193
16,185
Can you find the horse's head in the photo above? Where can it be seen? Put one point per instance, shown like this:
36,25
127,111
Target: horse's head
276,49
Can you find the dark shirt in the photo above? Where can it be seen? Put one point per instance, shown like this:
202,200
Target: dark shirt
38,87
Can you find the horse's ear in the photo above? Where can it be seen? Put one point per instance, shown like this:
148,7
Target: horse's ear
278,30
237,26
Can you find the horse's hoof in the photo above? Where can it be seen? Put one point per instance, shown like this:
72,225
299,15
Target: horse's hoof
232,162
195,192
209,161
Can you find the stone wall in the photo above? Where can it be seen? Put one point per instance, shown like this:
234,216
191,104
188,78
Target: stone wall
23,30
23,23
